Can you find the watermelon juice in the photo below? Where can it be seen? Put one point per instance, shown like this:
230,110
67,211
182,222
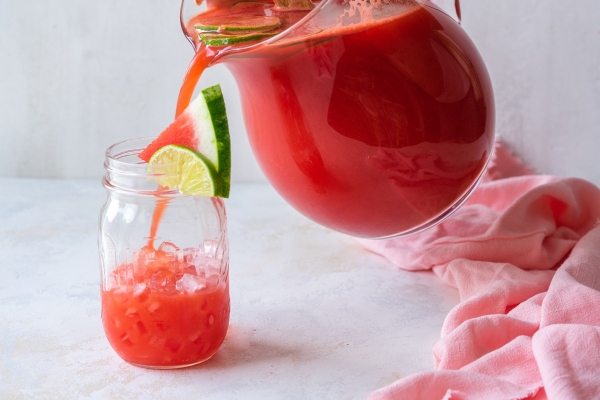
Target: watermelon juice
162,313
373,129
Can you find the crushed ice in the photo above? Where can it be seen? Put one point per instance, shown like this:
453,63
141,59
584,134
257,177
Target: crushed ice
189,269
190,283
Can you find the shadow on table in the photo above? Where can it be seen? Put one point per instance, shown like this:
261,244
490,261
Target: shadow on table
244,346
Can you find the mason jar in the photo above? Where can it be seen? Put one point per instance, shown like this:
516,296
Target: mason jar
164,260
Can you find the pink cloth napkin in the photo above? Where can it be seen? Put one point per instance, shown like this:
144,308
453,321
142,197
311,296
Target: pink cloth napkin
524,254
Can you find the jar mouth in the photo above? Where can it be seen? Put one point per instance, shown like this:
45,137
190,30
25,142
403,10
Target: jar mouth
125,170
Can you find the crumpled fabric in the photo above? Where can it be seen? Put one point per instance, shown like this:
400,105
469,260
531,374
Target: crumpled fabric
524,254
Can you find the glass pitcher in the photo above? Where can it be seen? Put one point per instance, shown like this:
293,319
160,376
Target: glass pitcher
374,118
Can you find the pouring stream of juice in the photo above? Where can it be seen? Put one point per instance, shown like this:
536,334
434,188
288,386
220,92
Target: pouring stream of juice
161,205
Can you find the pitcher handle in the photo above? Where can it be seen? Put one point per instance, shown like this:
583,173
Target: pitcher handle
450,7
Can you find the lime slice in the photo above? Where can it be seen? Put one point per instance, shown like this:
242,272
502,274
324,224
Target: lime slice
226,40
293,5
259,5
180,168
238,23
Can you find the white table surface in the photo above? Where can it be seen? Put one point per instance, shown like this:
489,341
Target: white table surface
313,315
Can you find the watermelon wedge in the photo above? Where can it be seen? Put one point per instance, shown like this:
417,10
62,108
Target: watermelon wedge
202,127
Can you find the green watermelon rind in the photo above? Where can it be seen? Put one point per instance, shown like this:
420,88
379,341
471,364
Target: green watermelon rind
215,142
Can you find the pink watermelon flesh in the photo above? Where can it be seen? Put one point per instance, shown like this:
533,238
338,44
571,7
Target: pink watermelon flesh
182,131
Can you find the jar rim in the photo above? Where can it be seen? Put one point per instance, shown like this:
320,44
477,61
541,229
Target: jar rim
125,170
125,148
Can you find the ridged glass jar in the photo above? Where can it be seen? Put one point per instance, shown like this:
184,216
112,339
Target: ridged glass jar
164,261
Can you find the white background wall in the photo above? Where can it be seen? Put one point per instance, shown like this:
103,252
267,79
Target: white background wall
77,76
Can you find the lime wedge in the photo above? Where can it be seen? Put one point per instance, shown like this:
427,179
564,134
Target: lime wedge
251,4
226,40
293,5
183,169
237,23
